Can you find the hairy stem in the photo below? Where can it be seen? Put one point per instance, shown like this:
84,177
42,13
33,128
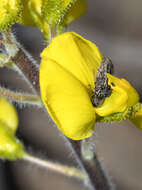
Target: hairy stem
23,61
67,171
20,97
92,166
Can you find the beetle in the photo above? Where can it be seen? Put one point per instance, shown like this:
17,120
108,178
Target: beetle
102,89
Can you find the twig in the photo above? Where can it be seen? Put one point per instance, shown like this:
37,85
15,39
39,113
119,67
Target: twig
67,171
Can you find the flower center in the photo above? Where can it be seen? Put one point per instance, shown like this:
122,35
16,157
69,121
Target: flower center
102,89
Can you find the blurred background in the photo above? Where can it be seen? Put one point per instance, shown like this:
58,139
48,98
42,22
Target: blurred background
116,27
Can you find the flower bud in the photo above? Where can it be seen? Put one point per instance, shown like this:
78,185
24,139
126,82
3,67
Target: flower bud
10,147
8,115
28,7
10,11
59,13
74,10
31,16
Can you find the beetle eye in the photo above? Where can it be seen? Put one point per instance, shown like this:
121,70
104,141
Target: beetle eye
112,84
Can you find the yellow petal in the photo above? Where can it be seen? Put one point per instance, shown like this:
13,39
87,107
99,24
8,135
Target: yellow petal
8,115
137,119
123,96
75,11
76,55
66,100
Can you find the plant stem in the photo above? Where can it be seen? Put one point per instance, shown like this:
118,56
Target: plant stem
67,171
23,61
20,97
29,70
96,174
53,31
87,148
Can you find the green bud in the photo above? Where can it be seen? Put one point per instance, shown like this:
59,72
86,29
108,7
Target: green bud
52,11
10,147
8,115
10,11
59,13
31,16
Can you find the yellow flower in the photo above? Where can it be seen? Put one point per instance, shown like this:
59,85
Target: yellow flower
67,80
8,115
66,75
9,13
